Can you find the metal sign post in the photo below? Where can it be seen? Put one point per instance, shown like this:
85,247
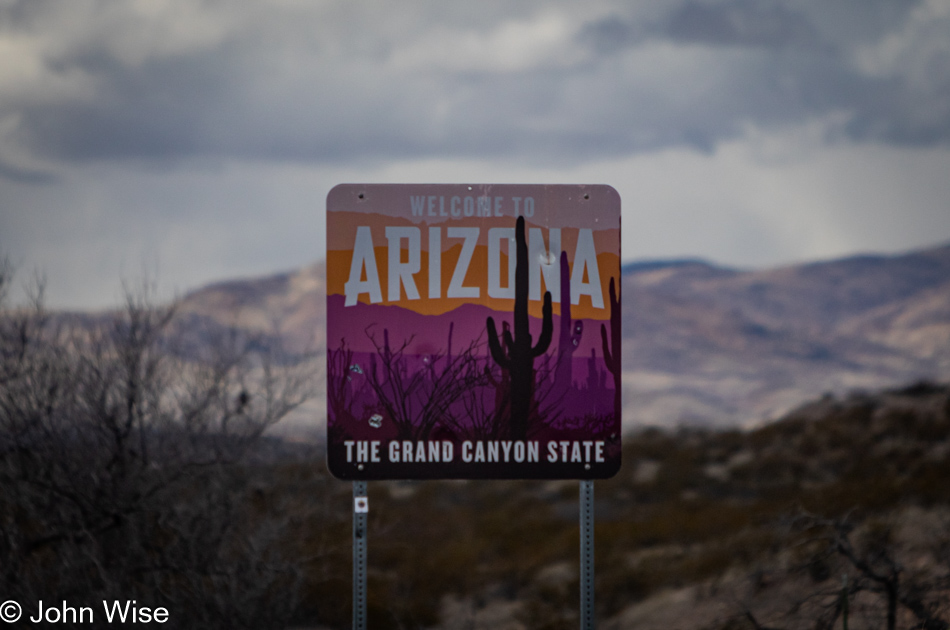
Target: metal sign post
587,554
360,512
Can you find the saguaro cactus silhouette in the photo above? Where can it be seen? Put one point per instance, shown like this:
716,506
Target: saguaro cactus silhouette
570,333
502,385
612,349
517,355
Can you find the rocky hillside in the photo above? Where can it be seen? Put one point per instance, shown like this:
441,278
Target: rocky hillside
776,527
710,345
705,345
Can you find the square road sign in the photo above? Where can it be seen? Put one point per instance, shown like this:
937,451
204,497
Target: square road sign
473,331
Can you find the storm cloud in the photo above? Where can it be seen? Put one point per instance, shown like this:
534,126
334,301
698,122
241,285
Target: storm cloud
204,134
325,82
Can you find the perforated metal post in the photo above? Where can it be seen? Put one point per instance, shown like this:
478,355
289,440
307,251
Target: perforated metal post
360,513
587,555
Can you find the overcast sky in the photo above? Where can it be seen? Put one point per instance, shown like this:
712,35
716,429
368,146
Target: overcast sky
195,140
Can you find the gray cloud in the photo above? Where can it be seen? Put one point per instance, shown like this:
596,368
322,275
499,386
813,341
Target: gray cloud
611,34
108,81
741,23
200,137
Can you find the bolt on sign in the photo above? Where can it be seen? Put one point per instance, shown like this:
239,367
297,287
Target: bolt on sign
473,331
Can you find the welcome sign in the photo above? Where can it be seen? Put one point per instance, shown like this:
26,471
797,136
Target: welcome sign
473,331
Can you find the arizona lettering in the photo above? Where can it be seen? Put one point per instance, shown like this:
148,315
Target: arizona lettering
400,284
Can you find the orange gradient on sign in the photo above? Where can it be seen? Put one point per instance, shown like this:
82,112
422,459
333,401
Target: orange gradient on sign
342,231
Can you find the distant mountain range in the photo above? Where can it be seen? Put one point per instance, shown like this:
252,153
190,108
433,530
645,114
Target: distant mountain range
704,345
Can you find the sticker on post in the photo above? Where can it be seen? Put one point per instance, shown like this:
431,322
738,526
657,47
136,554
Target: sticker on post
361,505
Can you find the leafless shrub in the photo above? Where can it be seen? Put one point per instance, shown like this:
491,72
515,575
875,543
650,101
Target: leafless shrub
121,471
844,572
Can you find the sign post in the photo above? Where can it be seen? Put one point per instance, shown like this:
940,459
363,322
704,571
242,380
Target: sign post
473,332
360,512
587,554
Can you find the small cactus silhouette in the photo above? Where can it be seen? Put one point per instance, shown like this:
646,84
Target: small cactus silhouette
596,377
612,349
515,353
